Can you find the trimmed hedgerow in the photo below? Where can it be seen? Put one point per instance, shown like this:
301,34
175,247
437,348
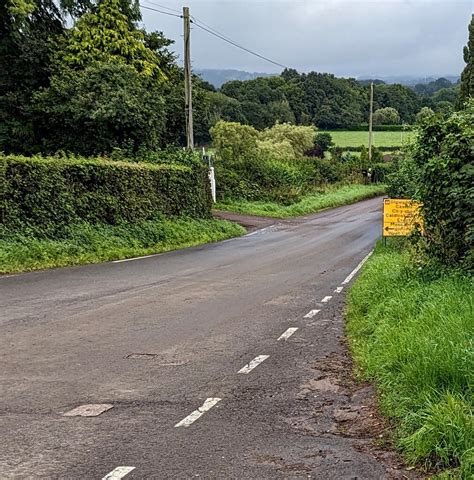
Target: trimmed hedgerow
50,193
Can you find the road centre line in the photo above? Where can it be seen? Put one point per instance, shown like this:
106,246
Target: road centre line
118,473
192,417
339,290
351,275
253,363
326,299
311,313
288,333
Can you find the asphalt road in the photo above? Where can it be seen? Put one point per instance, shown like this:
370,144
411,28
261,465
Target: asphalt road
77,336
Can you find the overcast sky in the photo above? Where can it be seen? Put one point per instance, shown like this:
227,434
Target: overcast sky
344,37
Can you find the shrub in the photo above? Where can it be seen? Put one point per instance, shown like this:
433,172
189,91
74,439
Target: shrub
233,141
381,170
47,194
301,138
329,170
269,150
402,181
443,154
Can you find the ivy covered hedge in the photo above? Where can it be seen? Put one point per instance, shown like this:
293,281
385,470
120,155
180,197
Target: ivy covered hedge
48,193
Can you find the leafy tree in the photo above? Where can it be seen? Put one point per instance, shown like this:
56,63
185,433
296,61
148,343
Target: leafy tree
102,107
324,140
106,36
467,76
444,107
447,95
386,116
28,33
424,114
77,8
432,87
401,98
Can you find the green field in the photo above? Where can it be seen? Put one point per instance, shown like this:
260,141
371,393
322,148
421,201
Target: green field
344,138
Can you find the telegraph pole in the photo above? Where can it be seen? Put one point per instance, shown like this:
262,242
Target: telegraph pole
370,119
188,86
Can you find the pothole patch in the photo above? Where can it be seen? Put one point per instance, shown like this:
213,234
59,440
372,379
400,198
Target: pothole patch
89,410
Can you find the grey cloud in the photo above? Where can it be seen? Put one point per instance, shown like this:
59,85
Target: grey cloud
344,37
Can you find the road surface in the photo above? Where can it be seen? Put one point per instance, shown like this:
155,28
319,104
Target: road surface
221,361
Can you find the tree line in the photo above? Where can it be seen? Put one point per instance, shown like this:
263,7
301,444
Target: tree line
82,76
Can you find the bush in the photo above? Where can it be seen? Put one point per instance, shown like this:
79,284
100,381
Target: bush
301,138
329,170
234,142
381,170
47,194
443,155
402,181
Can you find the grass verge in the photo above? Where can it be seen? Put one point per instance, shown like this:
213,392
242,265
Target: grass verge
413,334
86,243
332,197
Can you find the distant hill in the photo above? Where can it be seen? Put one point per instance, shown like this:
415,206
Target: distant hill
408,80
218,77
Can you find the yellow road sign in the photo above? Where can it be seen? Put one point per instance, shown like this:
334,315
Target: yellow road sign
400,217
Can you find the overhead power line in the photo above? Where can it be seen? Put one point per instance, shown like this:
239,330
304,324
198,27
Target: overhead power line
161,11
207,28
228,40
164,7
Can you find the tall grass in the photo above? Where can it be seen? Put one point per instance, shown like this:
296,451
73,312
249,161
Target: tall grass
331,197
414,335
86,243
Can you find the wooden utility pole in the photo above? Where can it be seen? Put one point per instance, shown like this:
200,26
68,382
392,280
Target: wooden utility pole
188,85
370,119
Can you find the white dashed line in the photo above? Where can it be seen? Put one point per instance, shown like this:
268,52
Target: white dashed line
339,290
89,410
253,363
326,299
311,313
207,405
351,275
118,473
288,333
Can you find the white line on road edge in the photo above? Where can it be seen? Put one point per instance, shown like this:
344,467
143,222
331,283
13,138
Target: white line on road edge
257,231
253,363
311,313
136,258
326,299
288,333
351,275
191,418
339,290
118,473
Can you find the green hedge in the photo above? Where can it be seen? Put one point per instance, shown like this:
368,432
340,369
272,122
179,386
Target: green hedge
49,193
